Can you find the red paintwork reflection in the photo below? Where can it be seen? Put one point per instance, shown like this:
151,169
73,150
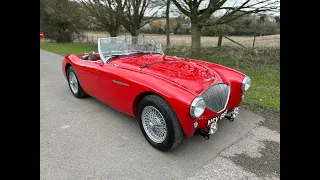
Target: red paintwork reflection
177,80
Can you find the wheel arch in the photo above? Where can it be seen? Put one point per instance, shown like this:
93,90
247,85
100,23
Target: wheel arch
67,67
178,99
138,98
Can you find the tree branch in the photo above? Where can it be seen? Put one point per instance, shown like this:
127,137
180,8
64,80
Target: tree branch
184,11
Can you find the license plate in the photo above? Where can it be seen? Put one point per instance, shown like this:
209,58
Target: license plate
217,118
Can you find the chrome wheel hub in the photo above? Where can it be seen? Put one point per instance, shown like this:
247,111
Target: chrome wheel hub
73,82
154,124
151,125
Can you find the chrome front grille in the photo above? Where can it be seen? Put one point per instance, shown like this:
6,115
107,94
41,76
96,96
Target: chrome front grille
216,97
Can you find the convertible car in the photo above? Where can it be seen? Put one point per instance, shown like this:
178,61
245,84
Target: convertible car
172,97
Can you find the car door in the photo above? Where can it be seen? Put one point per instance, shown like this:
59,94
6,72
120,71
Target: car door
114,89
87,72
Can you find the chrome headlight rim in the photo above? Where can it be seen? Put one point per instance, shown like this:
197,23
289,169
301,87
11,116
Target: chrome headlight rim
194,104
246,83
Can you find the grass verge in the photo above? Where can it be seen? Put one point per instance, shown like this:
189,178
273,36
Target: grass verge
261,65
67,48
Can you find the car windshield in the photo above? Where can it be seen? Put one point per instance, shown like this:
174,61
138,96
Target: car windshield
126,45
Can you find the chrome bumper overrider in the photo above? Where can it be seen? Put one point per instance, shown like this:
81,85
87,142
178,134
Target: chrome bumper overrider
232,114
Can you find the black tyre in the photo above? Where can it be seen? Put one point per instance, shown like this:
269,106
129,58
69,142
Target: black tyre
74,84
159,123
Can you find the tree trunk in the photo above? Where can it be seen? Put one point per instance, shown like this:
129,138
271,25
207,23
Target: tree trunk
195,40
220,37
134,39
167,22
134,32
113,33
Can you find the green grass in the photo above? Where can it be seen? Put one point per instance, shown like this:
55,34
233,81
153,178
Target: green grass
67,48
262,66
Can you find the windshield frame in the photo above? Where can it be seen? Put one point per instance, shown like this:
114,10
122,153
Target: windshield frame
107,58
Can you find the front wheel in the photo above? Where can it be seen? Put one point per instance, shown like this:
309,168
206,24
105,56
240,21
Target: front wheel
159,124
74,84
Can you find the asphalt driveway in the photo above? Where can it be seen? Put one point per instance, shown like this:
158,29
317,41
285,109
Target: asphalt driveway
86,139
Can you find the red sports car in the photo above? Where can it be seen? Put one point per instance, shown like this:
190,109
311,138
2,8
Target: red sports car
172,97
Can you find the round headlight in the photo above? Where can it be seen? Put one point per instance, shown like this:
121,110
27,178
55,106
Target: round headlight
197,107
246,83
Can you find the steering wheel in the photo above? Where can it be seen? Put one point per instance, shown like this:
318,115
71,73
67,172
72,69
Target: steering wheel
92,55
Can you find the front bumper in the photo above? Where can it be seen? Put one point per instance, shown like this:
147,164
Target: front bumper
232,114
212,127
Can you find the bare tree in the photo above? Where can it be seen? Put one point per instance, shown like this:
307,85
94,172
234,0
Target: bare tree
60,19
105,14
199,14
138,13
167,4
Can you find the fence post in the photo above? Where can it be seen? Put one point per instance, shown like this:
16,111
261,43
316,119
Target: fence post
219,37
254,39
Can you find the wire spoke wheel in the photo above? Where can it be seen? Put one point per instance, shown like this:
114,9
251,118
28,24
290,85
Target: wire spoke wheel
154,124
73,82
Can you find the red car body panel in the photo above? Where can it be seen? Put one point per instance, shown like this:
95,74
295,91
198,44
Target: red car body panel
177,80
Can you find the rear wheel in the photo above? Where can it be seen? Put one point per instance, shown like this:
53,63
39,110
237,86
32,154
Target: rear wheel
159,124
74,84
